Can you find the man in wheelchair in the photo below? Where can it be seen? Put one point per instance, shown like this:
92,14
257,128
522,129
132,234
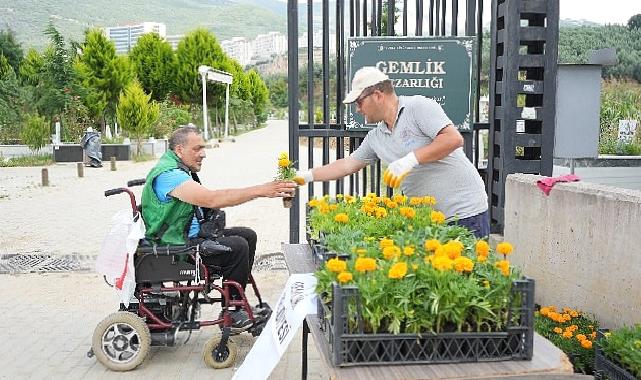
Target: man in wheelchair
178,210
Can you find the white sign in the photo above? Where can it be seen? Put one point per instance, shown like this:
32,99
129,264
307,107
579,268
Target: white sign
627,128
297,300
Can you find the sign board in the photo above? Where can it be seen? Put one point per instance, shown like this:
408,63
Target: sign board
627,128
440,68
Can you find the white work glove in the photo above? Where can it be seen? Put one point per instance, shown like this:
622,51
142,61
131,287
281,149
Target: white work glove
303,177
397,170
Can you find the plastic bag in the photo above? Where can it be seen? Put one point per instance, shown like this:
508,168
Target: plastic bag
116,258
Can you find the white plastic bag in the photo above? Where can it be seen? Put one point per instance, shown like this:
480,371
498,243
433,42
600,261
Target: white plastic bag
116,258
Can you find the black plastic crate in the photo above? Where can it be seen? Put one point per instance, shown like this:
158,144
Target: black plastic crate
357,348
604,368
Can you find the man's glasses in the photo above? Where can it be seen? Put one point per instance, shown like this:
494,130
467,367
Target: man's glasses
364,95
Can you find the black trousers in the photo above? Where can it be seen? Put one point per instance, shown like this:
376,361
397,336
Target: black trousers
235,265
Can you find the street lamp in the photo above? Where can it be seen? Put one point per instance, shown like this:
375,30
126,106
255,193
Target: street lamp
208,73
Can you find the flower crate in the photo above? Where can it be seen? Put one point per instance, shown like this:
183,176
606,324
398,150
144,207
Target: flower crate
604,368
352,346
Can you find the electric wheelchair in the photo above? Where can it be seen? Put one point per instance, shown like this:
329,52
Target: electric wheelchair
171,285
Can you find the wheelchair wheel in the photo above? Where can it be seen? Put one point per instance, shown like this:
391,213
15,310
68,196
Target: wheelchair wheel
121,341
217,358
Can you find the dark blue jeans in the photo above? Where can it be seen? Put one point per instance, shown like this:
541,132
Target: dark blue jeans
479,224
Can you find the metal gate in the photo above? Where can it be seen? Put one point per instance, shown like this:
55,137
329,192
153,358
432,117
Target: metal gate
360,18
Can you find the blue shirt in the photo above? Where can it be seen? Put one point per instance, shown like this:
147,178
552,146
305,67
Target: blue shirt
165,183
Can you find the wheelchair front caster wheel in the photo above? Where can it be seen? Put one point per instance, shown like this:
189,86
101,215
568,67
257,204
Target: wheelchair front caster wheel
219,357
121,341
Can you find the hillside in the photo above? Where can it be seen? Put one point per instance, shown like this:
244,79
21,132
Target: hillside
226,18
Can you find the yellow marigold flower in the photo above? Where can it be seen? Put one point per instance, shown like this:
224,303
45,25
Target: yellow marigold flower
415,266
344,277
574,314
558,330
504,248
313,203
283,155
386,243
481,259
567,334
442,263
580,337
283,162
333,207
391,204
371,195
323,208
415,201
350,198
567,317
486,284
365,264
482,248
431,245
440,251
407,212
391,252
409,250
341,218
437,217
430,201
544,311
587,344
463,264
361,251
380,212
397,271
504,266
572,327
454,248
593,335
339,196
400,199
336,265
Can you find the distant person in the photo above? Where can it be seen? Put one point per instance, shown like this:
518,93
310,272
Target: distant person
421,145
174,204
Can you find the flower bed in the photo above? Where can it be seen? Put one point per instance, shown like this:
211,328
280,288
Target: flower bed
397,284
572,331
618,355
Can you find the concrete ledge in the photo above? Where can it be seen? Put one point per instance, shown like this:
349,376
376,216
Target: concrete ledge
602,161
581,244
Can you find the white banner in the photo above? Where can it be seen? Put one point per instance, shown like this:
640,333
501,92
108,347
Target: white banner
297,300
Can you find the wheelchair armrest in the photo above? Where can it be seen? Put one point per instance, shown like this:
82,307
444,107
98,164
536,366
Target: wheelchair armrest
165,250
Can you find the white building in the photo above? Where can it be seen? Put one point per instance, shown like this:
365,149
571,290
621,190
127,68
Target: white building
238,48
272,43
318,41
174,39
126,37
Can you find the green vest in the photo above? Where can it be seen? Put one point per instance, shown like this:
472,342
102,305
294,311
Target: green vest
166,222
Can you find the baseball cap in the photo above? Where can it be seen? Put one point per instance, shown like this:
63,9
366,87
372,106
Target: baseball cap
365,77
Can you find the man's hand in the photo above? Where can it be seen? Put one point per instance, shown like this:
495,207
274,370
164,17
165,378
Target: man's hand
398,170
304,177
276,189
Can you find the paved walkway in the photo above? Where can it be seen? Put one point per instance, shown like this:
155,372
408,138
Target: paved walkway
49,318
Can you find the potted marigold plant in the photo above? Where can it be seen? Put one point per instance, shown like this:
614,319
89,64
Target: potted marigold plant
407,278
285,172
572,331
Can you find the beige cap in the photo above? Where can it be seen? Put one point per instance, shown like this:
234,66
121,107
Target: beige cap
365,77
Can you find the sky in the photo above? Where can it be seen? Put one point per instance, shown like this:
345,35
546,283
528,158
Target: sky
609,11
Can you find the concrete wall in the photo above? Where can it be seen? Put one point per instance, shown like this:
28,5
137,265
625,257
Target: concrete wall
12,151
582,245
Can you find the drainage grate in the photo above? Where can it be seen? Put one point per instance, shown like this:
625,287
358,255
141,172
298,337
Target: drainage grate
270,261
41,263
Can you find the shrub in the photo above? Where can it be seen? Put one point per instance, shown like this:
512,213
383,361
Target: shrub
36,133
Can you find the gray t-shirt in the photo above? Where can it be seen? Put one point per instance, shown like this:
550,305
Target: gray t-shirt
453,180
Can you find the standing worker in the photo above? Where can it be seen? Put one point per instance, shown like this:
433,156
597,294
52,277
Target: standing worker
420,144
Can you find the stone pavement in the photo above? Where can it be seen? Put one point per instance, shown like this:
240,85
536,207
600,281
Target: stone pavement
49,318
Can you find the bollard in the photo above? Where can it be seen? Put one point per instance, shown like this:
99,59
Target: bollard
45,177
113,164
81,170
